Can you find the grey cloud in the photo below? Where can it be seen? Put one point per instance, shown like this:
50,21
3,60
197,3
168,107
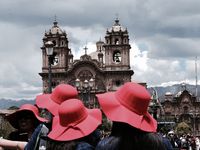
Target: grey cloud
165,29
162,46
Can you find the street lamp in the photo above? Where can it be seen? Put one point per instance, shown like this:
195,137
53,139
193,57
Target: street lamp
85,88
49,51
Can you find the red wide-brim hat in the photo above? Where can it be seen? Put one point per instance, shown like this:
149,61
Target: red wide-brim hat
52,101
129,104
13,118
74,121
45,101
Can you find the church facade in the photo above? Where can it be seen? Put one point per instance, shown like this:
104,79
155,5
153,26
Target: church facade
181,107
107,68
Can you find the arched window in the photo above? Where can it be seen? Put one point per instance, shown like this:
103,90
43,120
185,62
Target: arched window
62,43
118,83
125,41
108,41
116,41
117,57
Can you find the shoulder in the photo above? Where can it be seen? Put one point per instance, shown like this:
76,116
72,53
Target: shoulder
84,146
107,143
167,143
39,132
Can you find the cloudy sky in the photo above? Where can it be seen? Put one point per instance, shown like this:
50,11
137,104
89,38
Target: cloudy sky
164,36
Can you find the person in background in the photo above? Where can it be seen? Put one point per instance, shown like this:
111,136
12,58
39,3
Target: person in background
133,127
174,140
184,142
197,143
75,127
24,120
48,104
163,134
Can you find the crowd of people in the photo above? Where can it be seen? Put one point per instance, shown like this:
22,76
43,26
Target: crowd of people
182,142
60,121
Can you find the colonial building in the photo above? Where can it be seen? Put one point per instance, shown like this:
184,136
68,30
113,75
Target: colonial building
107,68
182,107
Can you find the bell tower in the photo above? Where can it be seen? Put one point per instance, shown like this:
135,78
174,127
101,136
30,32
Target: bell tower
117,56
117,48
108,66
61,53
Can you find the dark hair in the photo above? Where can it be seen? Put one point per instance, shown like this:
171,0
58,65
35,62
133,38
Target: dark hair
57,145
91,139
125,137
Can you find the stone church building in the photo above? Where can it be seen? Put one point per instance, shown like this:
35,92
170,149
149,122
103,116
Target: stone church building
183,106
107,68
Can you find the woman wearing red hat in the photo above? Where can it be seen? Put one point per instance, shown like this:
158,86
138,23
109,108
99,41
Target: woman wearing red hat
133,127
25,120
49,104
74,127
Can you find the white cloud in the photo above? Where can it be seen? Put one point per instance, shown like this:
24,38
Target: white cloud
164,38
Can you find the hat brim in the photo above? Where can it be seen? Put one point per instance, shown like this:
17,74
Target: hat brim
14,117
45,101
72,132
117,112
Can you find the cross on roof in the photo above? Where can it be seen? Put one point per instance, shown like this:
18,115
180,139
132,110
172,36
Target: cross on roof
55,21
55,18
85,48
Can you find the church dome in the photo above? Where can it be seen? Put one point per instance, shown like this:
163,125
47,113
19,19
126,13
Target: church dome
117,27
55,29
94,55
100,42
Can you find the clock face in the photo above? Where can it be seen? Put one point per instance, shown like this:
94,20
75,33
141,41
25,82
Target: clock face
55,61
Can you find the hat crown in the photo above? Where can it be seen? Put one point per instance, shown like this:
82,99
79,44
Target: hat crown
72,112
135,97
63,92
29,107
74,121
